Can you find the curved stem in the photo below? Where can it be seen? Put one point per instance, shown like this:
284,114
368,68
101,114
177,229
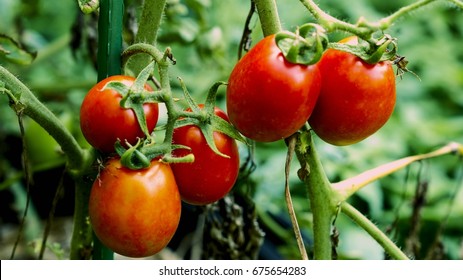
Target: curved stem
363,28
389,20
331,23
76,156
291,143
389,246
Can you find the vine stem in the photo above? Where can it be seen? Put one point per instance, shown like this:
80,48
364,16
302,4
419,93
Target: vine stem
363,28
22,96
148,28
268,16
389,246
291,143
322,199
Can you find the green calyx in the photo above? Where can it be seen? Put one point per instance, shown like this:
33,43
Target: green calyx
306,46
205,119
383,49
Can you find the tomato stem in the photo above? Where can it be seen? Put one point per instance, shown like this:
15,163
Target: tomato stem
389,246
20,94
150,22
268,16
363,28
322,202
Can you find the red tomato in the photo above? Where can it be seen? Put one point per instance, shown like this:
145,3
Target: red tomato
356,98
211,176
135,213
269,98
103,120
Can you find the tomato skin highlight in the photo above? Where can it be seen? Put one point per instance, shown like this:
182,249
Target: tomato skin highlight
135,213
210,177
356,98
103,121
269,98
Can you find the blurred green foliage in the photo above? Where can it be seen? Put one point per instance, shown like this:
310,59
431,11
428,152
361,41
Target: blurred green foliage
204,36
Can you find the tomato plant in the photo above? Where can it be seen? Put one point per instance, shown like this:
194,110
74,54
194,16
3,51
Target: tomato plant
103,121
211,176
356,98
135,212
269,98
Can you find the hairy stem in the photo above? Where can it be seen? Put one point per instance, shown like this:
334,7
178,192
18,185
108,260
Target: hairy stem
363,28
268,16
148,28
389,246
76,156
321,196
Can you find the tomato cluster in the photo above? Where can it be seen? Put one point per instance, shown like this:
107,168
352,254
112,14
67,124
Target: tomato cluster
136,212
343,98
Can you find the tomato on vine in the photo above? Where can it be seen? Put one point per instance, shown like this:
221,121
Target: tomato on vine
356,98
103,121
211,176
135,213
268,97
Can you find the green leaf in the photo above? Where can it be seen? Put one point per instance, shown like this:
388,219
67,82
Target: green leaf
12,51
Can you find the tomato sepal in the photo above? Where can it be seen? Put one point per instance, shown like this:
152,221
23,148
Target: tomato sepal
132,158
385,49
305,46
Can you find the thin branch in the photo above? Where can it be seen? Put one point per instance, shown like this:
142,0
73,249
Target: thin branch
389,246
289,203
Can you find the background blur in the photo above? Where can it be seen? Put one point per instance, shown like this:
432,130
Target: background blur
204,36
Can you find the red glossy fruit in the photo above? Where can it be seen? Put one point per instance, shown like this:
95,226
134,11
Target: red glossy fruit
269,98
135,213
103,121
356,98
211,176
